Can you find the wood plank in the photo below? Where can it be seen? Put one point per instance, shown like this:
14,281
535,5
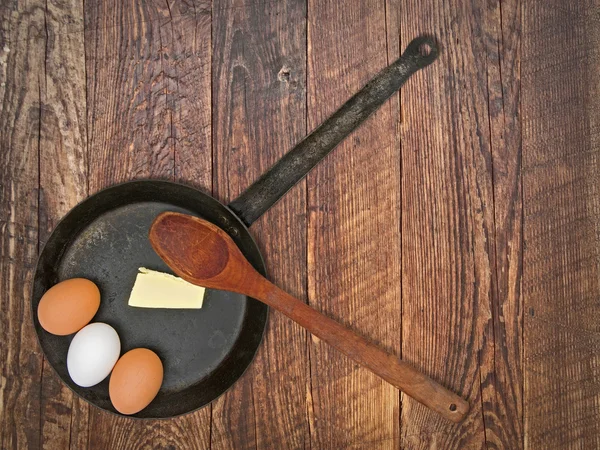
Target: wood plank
128,118
128,130
259,54
393,10
353,230
561,207
148,87
186,40
500,366
188,44
461,208
21,78
63,183
448,228
501,369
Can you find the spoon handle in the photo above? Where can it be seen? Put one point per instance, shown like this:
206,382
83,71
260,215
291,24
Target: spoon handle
396,372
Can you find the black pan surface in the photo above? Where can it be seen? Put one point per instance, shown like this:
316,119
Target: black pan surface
105,239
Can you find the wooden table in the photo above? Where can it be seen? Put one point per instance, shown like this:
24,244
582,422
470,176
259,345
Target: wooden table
459,228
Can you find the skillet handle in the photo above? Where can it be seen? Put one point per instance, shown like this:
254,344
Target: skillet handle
296,164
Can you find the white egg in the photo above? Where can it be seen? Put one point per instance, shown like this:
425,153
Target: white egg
93,353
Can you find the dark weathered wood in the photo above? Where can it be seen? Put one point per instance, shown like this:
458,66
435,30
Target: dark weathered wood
63,183
21,82
448,227
186,42
353,230
148,87
394,47
561,208
501,364
129,121
128,136
259,61
461,213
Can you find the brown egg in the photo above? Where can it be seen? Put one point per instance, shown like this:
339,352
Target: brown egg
68,306
135,380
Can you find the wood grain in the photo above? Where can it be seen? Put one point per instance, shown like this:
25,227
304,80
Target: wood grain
21,63
353,230
63,183
561,207
126,86
448,251
187,44
495,285
148,92
186,41
259,69
501,369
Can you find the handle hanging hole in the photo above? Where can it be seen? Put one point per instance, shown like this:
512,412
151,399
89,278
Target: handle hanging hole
425,49
453,407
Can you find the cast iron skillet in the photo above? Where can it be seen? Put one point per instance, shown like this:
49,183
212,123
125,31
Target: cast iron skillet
105,239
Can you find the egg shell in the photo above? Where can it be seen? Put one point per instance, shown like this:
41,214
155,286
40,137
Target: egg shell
135,380
68,306
92,354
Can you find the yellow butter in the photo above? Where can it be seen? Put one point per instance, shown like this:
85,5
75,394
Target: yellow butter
161,290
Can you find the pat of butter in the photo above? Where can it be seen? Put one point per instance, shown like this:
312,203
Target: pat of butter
160,290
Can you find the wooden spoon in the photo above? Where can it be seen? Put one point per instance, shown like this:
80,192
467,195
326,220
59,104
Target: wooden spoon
204,254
